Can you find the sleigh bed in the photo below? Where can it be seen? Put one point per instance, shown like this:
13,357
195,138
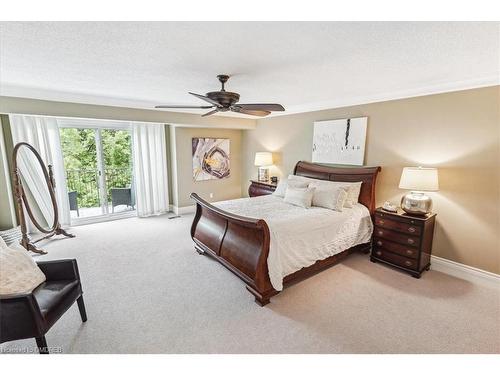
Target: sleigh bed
242,243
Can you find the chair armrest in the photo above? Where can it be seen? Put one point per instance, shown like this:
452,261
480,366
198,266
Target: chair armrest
14,298
20,317
64,269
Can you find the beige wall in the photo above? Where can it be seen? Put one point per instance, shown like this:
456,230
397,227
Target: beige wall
7,208
181,155
457,132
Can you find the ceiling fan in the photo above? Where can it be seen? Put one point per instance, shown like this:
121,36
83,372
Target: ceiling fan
224,101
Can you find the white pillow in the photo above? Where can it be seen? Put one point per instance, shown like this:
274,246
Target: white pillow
299,196
284,183
281,188
19,273
328,195
294,177
353,190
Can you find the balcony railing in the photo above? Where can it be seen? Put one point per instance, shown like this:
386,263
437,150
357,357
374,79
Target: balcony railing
85,182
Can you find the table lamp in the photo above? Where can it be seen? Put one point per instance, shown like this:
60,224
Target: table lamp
263,160
418,180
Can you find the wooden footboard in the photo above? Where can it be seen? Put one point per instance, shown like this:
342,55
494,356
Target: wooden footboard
239,243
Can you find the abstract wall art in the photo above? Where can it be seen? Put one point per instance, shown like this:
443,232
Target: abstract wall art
339,141
210,158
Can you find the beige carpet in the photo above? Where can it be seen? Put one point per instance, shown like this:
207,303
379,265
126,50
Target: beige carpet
148,291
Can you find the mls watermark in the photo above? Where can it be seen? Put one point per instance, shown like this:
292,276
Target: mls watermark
30,350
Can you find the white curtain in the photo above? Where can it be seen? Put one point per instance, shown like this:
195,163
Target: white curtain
149,152
43,134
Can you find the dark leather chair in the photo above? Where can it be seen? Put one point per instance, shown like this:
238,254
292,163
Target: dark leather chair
32,315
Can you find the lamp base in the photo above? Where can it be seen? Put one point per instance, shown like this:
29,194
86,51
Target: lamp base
263,174
416,203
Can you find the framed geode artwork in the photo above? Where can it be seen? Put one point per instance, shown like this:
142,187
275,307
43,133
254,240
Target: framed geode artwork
340,141
210,158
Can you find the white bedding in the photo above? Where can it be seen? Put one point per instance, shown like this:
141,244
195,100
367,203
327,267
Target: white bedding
300,236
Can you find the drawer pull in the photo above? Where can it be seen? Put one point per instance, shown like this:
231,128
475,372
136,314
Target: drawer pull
409,252
381,222
379,243
380,232
378,253
411,229
408,263
412,221
410,241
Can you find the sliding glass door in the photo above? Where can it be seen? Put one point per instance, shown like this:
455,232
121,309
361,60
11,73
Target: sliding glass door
79,148
98,164
117,180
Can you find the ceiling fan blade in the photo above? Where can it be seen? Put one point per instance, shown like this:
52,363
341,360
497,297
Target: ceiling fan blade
206,98
184,106
210,113
262,107
249,112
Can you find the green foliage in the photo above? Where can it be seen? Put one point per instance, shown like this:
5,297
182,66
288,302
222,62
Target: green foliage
116,148
81,162
79,148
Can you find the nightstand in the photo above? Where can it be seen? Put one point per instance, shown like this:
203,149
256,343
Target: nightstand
403,241
257,188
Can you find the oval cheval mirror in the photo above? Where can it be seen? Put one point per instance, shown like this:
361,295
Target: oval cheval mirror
35,195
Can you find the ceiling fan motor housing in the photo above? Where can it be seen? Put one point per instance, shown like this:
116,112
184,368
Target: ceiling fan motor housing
224,98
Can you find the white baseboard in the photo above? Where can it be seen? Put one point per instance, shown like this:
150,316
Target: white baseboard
184,210
462,271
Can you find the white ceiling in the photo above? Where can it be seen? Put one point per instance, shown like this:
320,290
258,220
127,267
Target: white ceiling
304,66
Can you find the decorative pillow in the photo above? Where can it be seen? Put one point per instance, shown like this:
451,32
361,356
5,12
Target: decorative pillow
299,196
328,195
281,188
284,183
19,272
353,190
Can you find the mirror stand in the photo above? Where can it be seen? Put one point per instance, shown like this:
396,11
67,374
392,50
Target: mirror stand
23,204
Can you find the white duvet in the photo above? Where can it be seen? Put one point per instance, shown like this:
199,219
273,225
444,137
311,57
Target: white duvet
300,236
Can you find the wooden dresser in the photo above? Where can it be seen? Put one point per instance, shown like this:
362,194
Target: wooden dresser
257,188
403,241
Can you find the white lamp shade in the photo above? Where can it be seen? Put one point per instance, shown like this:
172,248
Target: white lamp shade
420,179
263,159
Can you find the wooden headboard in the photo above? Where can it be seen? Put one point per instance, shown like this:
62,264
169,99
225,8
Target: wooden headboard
368,175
